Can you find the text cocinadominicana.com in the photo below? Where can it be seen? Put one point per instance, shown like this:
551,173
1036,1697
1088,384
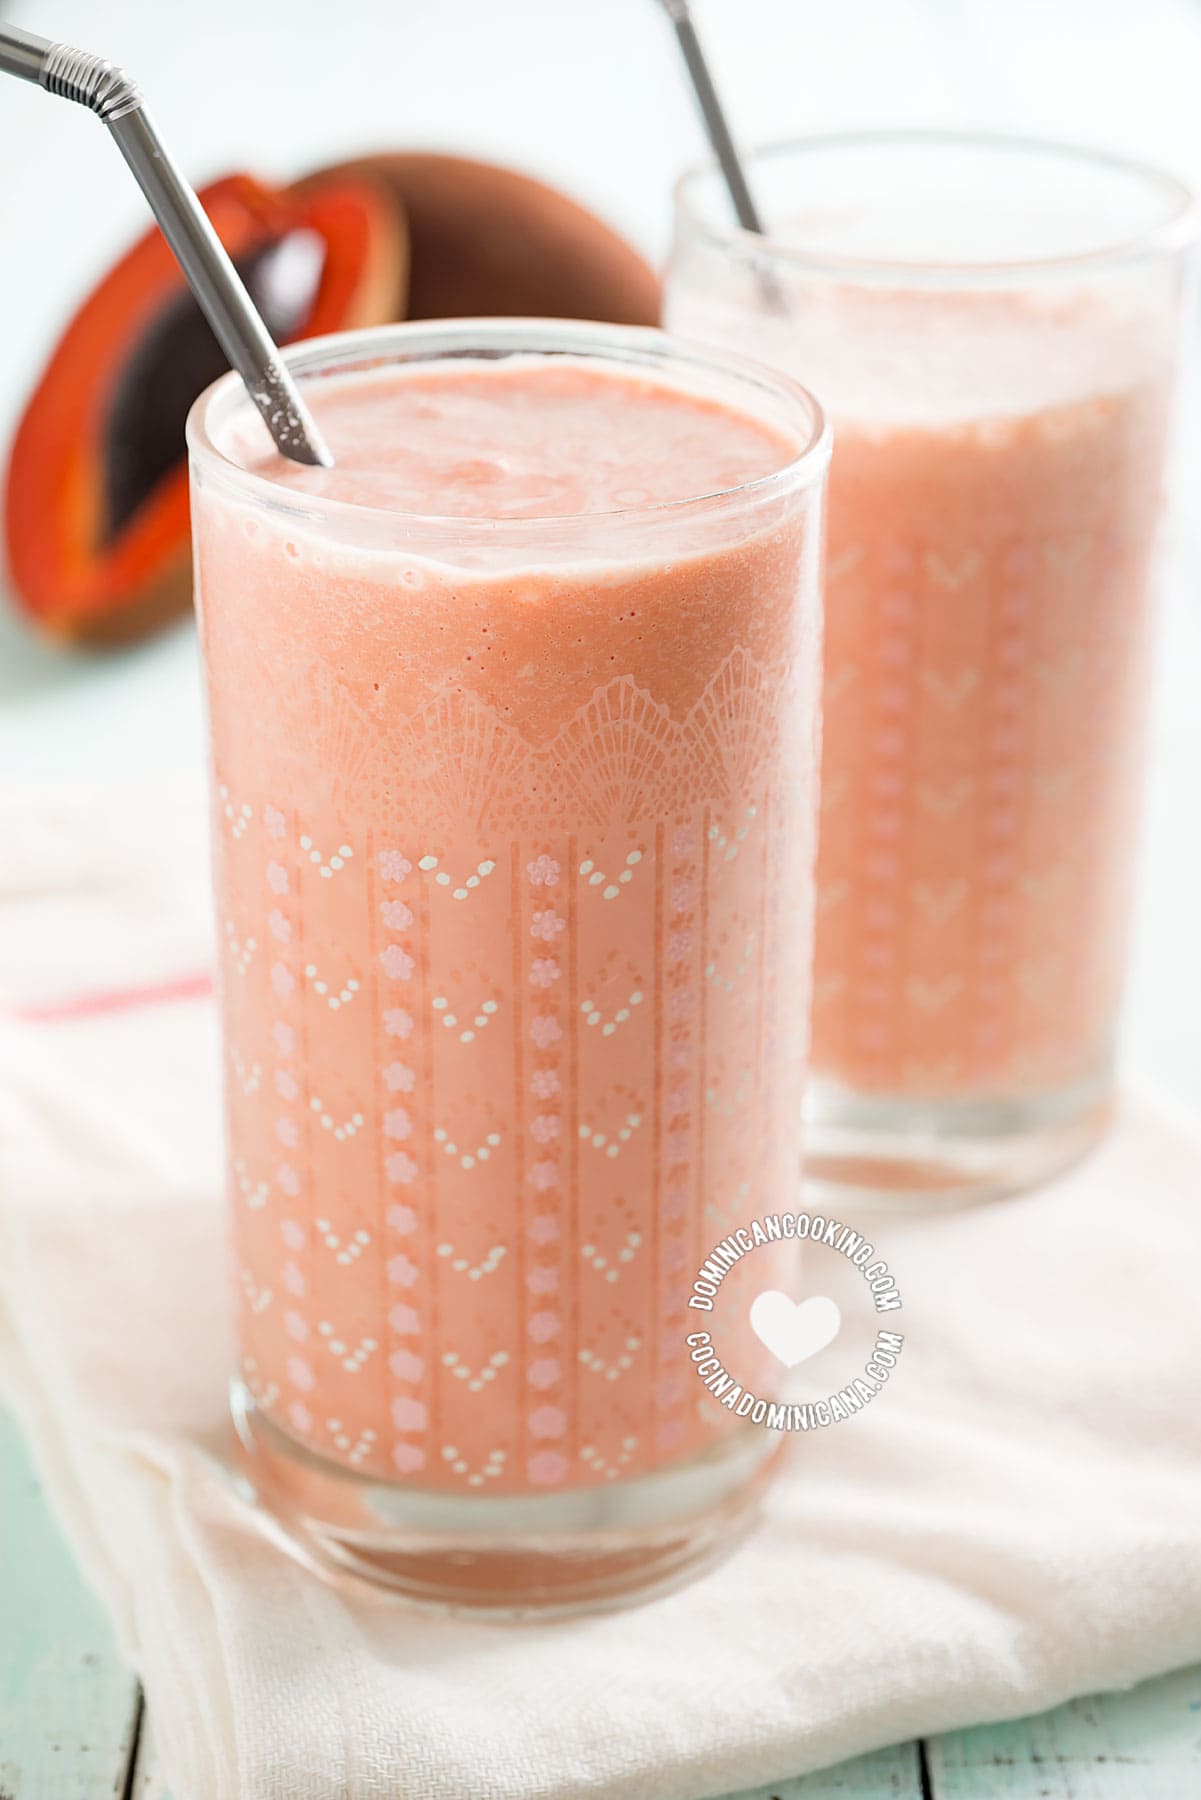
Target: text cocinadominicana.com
783,1416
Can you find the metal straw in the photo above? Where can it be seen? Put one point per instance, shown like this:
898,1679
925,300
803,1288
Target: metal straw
720,136
220,293
713,115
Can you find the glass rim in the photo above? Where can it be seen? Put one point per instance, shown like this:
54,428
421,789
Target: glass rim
642,347
1173,231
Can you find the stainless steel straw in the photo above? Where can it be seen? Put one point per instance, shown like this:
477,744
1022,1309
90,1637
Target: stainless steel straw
720,136
220,293
713,115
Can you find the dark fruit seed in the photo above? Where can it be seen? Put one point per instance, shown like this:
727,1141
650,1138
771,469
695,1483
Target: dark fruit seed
175,360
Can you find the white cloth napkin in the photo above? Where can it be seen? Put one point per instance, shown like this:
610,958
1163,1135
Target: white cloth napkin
1017,1519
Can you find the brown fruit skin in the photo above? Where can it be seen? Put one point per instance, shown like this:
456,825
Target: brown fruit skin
487,242
382,291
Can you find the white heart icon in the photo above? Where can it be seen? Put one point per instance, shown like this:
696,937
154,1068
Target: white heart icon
794,1330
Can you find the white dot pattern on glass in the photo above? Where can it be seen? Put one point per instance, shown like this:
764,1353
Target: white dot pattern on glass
507,1070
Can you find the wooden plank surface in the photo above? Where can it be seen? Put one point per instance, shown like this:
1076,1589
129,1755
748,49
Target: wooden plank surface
68,1706
1141,1745
148,1782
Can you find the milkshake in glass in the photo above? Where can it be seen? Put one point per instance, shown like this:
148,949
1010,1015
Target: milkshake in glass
514,724
993,327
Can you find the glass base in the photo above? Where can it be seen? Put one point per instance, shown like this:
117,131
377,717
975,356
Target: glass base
919,1153
523,1555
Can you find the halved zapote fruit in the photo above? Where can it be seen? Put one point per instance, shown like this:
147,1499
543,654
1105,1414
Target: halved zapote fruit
486,241
96,513
96,508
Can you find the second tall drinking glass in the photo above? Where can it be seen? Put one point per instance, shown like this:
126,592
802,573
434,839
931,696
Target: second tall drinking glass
993,327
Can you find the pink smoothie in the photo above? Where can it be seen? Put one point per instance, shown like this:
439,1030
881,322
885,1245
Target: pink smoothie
513,841
986,667
994,496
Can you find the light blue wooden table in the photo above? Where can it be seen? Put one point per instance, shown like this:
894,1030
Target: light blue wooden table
73,1725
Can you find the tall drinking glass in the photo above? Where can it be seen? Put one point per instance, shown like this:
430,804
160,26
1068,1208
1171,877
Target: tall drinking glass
993,326
514,730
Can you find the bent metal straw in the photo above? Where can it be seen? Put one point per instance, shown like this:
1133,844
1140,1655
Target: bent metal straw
109,92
